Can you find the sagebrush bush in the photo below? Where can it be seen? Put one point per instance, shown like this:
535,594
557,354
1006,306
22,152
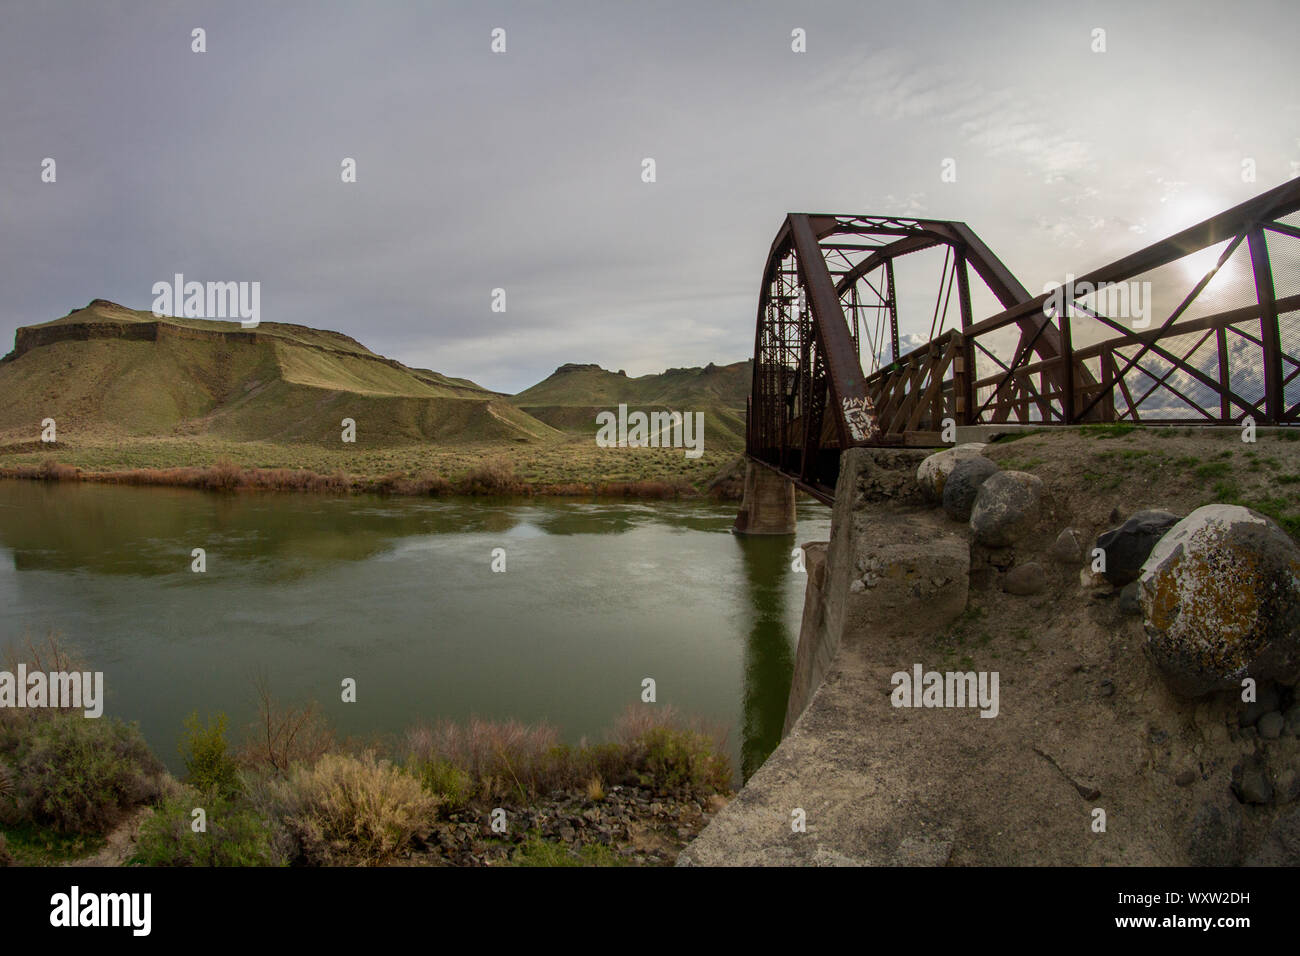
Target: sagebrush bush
81,775
236,835
352,810
209,767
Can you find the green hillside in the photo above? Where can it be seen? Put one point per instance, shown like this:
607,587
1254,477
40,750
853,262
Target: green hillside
106,370
573,395
723,385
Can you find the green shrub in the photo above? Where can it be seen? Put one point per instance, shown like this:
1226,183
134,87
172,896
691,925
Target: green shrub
451,785
208,765
536,851
80,775
683,758
235,835
347,810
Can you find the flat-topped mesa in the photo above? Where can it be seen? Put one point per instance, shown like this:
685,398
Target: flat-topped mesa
577,367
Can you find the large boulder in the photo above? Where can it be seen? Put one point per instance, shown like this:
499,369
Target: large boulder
963,484
1006,508
933,472
1220,598
1128,546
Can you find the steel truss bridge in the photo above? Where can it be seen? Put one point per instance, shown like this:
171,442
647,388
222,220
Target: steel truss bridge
1200,328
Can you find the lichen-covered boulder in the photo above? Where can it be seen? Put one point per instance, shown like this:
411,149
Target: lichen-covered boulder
1006,508
1220,598
932,474
1129,545
963,485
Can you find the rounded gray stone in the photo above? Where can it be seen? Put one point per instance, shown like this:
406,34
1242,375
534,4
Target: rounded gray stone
1266,699
1128,599
1292,717
1251,783
1270,725
1025,579
932,474
1068,547
963,485
1006,508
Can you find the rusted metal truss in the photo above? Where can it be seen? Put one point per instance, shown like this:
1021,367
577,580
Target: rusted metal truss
1200,328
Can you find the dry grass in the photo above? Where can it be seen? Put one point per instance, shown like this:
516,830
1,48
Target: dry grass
502,760
645,489
500,757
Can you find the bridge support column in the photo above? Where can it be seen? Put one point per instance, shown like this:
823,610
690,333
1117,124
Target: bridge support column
768,504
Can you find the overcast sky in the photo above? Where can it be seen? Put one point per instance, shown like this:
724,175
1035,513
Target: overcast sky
522,170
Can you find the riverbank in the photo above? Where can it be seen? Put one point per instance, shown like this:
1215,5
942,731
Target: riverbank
289,792
493,477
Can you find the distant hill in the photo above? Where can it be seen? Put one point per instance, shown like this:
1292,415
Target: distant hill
572,395
110,370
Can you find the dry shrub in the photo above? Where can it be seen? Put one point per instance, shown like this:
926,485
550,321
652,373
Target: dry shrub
283,735
501,757
50,654
349,810
47,470
511,760
423,484
5,858
570,489
223,476
645,488
493,477
51,470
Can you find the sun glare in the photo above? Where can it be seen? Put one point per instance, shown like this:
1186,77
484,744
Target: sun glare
1179,213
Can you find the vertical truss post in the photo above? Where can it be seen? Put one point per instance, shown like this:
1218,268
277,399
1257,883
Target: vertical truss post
892,305
1274,406
1067,372
964,363
1225,374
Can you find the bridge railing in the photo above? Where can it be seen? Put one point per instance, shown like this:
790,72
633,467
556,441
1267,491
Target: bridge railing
1200,328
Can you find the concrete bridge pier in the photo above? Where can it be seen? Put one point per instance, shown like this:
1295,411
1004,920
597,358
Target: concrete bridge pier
768,503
